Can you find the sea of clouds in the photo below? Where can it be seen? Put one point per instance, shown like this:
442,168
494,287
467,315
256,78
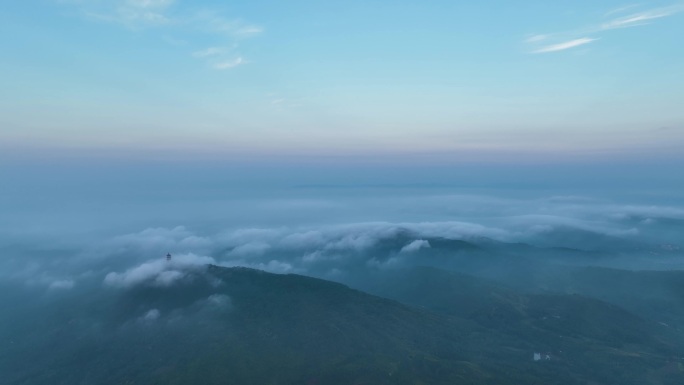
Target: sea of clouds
329,248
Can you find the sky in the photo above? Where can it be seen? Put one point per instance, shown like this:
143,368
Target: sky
492,80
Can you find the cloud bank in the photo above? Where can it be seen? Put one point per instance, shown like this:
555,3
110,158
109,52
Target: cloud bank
160,273
332,250
415,246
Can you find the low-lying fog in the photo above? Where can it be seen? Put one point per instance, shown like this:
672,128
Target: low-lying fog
67,223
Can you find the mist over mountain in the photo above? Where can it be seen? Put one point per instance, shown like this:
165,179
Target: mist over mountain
338,285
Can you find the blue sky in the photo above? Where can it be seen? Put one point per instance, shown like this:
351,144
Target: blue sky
459,80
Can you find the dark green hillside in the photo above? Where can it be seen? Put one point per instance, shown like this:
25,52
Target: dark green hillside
657,295
239,326
586,331
497,306
244,326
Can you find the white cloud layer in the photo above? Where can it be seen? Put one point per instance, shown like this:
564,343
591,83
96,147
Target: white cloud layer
160,272
298,250
415,246
139,258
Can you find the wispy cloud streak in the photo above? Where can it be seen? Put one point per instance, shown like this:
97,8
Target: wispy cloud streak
228,64
130,13
536,38
565,45
211,51
571,39
622,9
169,16
216,23
641,18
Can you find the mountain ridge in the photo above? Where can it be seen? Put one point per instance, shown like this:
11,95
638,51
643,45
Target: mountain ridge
251,326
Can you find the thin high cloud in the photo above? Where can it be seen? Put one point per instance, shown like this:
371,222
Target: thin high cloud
235,30
221,58
176,18
641,18
565,45
216,23
230,63
622,9
130,13
208,52
618,18
147,10
536,38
